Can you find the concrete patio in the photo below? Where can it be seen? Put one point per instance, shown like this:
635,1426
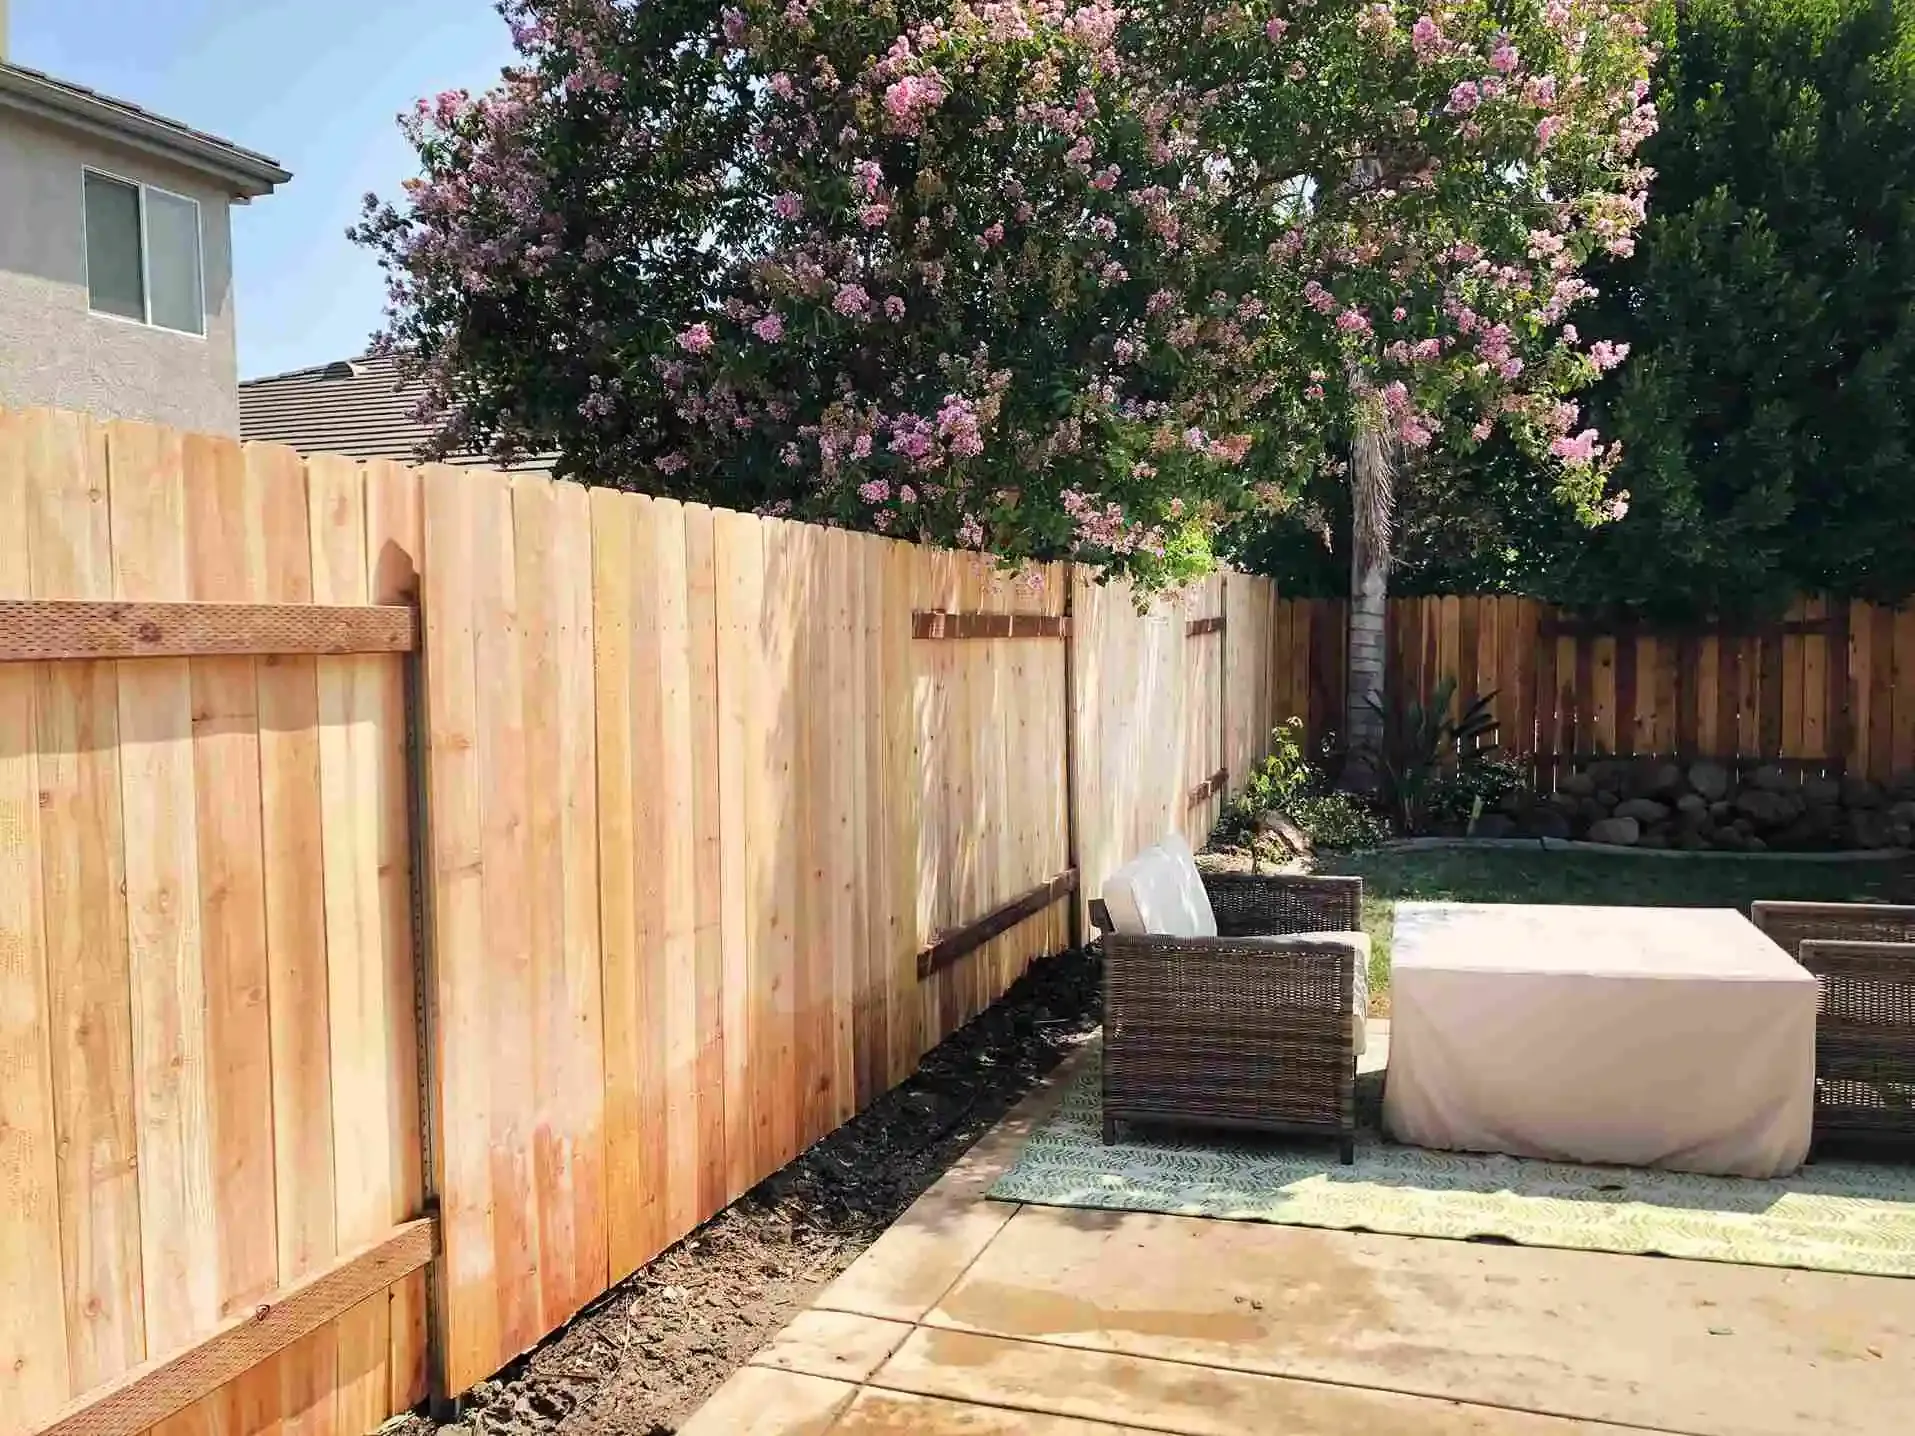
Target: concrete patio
976,1317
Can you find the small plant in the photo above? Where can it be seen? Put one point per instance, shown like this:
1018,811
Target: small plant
1277,782
1458,799
1423,747
1338,820
1289,783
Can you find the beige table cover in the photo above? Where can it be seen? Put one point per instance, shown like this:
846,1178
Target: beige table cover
1665,1037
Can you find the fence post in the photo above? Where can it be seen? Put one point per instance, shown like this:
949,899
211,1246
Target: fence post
1072,859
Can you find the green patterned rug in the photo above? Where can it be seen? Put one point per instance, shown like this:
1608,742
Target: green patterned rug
1831,1216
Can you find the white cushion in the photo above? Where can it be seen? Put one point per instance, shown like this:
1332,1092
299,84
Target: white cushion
1159,893
1358,940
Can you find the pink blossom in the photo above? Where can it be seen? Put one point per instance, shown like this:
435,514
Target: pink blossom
1578,451
1274,28
782,87
1605,355
876,491
971,533
733,21
1318,298
1353,321
873,216
992,236
1510,368
1546,129
870,176
1426,38
771,328
1482,429
1464,97
861,449
851,301
789,205
906,494
1504,58
1416,430
1399,314
1617,508
696,340
1540,91
893,308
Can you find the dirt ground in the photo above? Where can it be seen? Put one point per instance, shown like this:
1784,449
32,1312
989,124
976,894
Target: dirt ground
646,1354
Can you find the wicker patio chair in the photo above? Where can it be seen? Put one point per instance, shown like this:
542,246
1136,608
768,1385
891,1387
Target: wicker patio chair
1254,1028
1863,958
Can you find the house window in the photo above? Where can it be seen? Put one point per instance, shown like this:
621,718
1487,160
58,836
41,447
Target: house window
143,254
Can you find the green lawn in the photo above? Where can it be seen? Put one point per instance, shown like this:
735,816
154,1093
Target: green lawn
1455,875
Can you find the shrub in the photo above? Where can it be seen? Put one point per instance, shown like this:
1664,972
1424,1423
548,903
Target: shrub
1289,783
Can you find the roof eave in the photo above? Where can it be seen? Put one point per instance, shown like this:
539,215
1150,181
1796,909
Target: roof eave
246,175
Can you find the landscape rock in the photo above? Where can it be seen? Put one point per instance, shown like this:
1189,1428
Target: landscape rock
1711,780
1858,792
1770,779
1577,785
1655,841
1721,811
1902,812
1659,780
1822,792
1547,823
1276,826
1617,832
1693,805
1870,828
1494,825
1767,808
1644,810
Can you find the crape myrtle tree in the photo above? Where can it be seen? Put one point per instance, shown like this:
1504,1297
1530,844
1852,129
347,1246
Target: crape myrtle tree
1416,191
922,268
1039,278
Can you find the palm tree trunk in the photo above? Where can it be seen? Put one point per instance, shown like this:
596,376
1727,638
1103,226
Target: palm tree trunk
1373,511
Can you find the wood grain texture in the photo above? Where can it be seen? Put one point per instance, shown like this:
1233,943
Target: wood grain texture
33,1334
82,866
43,630
226,562
178,1214
463,1057
148,1394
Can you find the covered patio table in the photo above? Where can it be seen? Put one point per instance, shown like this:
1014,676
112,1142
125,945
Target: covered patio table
1652,1037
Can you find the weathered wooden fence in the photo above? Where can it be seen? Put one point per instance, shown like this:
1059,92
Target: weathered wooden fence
401,861
1829,687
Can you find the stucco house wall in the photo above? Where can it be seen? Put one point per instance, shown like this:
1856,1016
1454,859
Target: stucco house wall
53,349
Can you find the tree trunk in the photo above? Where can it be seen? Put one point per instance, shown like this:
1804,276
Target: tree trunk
1373,510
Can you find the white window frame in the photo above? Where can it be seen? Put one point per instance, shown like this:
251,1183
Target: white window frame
141,187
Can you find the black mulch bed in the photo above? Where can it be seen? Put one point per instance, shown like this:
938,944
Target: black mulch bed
644,1356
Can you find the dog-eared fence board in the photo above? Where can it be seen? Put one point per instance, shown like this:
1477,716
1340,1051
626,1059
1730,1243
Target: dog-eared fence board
696,789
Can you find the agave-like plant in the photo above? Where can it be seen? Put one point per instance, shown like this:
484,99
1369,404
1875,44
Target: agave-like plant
1421,741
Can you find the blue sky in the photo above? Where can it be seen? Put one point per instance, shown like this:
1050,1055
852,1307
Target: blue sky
313,83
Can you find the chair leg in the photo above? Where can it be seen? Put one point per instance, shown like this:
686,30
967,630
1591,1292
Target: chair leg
1110,1131
1346,1150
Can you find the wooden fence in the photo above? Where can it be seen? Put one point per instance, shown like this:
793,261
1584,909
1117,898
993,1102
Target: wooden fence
1829,687
407,861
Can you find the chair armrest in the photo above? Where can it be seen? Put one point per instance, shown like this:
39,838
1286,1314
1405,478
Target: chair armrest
1248,905
1790,924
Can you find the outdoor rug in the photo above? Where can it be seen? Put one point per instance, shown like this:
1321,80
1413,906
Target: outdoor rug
1831,1216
